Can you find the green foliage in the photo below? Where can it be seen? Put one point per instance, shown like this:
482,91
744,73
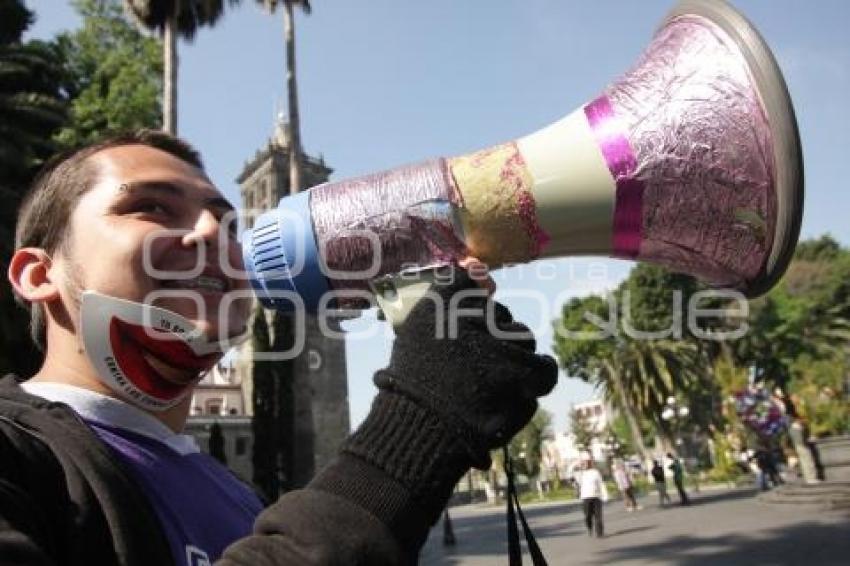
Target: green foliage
190,14
635,372
113,74
817,386
274,408
825,248
32,109
650,296
581,429
620,429
807,314
526,448
284,378
263,423
725,469
580,346
798,339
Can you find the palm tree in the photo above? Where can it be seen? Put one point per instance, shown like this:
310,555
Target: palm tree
635,376
600,362
172,18
654,370
295,151
610,378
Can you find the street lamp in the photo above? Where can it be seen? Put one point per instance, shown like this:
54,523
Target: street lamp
674,413
612,446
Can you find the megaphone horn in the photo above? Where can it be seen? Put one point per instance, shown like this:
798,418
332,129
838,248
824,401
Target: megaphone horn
691,160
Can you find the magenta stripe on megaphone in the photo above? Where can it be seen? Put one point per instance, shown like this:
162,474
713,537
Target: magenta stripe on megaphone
621,161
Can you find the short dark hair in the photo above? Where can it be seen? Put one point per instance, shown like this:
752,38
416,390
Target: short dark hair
45,211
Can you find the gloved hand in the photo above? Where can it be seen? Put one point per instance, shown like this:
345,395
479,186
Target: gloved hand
484,387
444,402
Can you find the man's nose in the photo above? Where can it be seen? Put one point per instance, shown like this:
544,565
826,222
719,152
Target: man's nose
206,230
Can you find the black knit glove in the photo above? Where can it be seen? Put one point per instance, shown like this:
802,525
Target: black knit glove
484,388
443,404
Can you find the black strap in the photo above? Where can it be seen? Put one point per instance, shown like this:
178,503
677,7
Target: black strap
514,550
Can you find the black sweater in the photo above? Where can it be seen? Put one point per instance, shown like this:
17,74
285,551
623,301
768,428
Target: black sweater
66,499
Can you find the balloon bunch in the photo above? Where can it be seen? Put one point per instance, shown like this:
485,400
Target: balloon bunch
760,411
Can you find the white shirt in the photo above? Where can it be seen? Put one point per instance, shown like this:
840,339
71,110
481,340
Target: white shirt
591,485
94,406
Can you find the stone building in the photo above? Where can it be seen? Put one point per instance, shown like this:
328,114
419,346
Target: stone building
321,384
218,398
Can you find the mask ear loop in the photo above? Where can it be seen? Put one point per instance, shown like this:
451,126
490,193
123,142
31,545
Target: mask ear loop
514,551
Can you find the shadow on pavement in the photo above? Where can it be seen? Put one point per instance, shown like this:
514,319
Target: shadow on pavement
703,497
808,541
804,543
628,531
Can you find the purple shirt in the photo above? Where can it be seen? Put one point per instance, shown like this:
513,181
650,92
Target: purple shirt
201,505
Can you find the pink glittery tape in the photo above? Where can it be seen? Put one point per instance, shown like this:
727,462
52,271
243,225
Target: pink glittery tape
628,205
703,146
387,222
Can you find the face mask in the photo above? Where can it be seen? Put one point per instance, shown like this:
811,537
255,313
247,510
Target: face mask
121,337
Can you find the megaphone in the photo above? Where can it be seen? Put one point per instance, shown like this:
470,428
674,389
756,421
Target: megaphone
691,160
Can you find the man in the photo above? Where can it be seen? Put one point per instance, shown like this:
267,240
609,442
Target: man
132,274
593,493
678,478
624,484
767,467
660,483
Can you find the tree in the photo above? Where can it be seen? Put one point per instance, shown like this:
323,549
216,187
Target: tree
113,74
806,314
646,353
295,150
818,386
598,360
283,340
172,18
526,448
820,249
32,109
264,424
217,443
32,105
620,429
581,429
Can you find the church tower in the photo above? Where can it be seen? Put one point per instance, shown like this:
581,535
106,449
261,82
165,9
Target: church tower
321,419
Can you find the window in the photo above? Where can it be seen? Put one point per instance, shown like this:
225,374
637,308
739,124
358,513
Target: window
213,406
241,445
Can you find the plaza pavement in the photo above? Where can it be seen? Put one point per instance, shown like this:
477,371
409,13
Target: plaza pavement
722,527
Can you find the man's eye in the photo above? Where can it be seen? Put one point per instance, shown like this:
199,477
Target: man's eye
228,221
151,207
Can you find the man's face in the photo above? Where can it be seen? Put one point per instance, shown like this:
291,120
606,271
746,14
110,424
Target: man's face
150,230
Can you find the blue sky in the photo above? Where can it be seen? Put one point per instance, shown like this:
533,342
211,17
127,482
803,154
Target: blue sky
384,82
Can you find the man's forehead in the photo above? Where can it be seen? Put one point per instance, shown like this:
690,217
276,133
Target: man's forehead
137,166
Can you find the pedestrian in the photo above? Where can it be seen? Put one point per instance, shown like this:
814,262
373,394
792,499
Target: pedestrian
127,258
766,463
625,485
593,493
679,478
660,483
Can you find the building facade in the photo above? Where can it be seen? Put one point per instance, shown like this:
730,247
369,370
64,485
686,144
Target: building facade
321,419
218,398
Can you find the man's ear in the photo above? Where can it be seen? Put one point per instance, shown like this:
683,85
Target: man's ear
30,275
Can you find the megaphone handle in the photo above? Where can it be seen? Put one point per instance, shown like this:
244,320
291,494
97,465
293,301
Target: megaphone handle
396,295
